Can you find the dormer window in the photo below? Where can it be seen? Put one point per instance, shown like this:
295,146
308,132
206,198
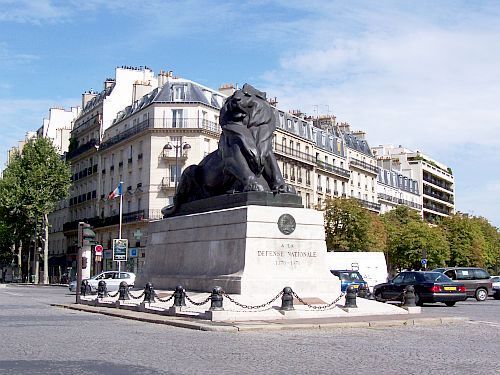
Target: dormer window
179,92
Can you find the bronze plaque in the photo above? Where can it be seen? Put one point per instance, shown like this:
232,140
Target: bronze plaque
286,224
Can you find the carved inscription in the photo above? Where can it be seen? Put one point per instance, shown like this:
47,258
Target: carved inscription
288,256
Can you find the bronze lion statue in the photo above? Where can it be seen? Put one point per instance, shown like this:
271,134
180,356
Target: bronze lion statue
243,156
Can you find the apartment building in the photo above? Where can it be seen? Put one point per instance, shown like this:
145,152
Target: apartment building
57,127
436,183
147,147
98,113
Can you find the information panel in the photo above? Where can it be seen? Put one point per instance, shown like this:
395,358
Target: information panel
120,249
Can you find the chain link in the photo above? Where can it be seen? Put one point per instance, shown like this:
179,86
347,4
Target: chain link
113,295
250,307
138,297
163,300
324,307
198,303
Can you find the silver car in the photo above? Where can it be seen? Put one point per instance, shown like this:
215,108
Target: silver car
112,279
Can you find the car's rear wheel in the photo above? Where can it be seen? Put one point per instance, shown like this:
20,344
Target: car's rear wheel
481,294
450,304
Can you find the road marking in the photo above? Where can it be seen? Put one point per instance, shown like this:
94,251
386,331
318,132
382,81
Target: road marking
492,324
13,294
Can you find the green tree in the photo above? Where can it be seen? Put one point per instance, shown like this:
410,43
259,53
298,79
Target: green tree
48,179
468,246
348,226
409,238
16,219
31,186
491,236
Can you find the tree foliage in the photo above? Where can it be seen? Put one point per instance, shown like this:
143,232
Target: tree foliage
350,227
409,239
32,184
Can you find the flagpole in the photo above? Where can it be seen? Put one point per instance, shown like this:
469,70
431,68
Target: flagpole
120,226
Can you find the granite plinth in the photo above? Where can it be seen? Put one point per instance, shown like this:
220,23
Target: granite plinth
242,250
231,200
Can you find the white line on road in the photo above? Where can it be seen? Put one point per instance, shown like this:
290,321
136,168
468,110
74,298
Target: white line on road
492,324
12,294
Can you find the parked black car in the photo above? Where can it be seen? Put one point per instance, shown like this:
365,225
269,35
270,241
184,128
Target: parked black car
476,280
429,287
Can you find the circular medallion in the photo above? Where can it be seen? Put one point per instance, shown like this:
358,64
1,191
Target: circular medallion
286,224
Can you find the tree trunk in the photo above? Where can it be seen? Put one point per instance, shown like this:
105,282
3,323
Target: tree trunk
46,249
36,256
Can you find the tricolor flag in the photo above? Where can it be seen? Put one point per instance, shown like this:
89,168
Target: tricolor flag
117,192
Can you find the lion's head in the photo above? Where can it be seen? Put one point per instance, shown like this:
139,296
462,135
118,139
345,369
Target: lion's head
248,106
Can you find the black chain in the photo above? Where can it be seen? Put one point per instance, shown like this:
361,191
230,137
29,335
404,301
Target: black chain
163,300
138,297
113,295
198,303
324,307
250,307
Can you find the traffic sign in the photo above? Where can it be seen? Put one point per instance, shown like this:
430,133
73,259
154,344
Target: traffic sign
98,250
424,262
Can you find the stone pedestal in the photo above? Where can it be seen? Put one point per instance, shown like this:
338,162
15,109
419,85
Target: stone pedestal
244,250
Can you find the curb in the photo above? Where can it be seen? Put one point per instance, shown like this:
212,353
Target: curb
253,326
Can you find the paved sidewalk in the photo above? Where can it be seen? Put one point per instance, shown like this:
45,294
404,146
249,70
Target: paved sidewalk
371,321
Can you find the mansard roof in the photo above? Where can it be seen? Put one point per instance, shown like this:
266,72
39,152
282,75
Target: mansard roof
192,93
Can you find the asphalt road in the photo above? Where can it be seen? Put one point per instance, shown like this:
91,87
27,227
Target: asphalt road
36,338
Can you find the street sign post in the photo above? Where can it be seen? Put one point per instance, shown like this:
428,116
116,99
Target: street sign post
424,263
98,250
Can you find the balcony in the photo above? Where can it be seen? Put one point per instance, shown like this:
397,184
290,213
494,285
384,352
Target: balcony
158,123
433,207
166,184
344,173
319,189
436,182
169,155
369,205
443,197
130,217
82,149
328,191
364,165
294,154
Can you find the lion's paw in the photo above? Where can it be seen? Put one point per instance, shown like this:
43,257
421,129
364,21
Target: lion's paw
253,186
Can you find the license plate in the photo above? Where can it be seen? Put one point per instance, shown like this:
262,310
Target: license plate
450,288
356,286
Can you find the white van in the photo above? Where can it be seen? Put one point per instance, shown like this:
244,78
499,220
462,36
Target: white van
371,265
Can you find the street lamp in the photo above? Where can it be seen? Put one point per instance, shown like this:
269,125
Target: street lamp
181,145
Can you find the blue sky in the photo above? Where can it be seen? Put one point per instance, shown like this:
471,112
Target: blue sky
423,74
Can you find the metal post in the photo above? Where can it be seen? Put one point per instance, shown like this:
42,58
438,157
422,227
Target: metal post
176,165
78,273
120,226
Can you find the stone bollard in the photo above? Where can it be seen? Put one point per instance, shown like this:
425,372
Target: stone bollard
287,299
216,299
350,297
180,296
409,296
123,291
362,291
84,288
149,293
102,291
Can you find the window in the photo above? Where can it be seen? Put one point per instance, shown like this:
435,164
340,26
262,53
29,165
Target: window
398,279
174,172
177,118
481,274
179,92
467,274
